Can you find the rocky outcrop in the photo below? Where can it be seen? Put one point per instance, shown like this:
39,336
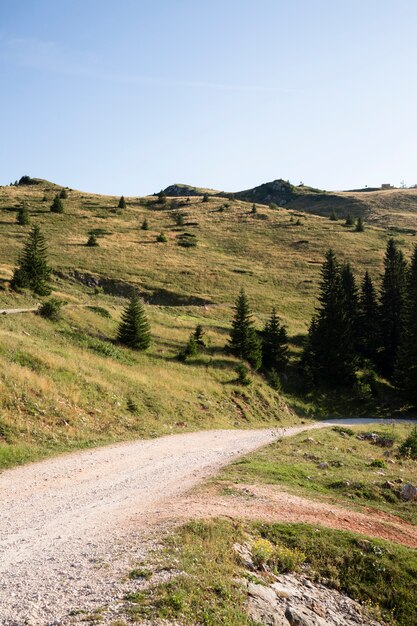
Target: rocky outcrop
294,600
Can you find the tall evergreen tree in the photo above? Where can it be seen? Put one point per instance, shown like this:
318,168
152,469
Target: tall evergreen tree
274,344
134,329
349,220
22,216
359,225
33,271
122,203
351,301
393,291
244,342
330,352
368,320
406,370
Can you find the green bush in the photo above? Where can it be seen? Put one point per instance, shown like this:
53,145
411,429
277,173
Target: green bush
161,238
408,448
51,309
242,372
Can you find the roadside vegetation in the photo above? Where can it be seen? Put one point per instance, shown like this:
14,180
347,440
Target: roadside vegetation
206,585
364,466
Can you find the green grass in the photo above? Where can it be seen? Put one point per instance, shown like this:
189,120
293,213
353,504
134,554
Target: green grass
356,472
207,591
67,385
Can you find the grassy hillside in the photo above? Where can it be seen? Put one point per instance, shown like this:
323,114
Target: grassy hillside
68,384
391,208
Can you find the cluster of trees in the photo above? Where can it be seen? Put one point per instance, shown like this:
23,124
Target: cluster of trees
355,327
267,349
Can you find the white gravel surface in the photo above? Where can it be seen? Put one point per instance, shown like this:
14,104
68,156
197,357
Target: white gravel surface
70,527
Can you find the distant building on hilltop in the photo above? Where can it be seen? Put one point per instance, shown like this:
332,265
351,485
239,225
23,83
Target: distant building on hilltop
386,186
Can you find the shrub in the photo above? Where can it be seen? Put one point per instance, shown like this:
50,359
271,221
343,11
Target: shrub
242,372
161,238
349,220
254,209
51,309
191,349
287,559
262,552
179,219
145,224
359,225
378,463
63,195
22,216
122,203
333,216
409,447
92,241
57,206
187,240
205,198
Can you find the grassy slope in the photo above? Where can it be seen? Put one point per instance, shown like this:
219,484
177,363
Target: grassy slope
350,479
66,385
207,590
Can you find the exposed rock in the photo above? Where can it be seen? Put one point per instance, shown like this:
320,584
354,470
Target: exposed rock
301,616
245,555
323,465
262,606
409,492
376,439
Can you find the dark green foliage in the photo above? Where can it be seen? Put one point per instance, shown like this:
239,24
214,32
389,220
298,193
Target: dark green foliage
191,349
57,205
22,216
187,240
199,337
368,320
242,372
274,344
63,195
406,367
351,301
409,447
161,238
162,197
244,342
205,198
134,328
51,309
359,225
329,357
26,180
145,224
333,216
92,241
393,293
254,209
350,221
33,271
122,203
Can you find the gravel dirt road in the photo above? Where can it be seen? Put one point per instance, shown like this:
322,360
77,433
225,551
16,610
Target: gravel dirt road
67,525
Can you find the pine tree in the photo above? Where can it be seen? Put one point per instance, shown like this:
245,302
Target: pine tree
349,220
122,203
330,355
244,342
254,209
162,198
333,216
392,301
145,224
33,271
22,216
63,195
134,328
351,302
274,344
359,225
199,337
406,370
205,198
368,320
57,206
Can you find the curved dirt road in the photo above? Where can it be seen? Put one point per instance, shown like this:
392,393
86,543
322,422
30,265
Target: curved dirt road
64,521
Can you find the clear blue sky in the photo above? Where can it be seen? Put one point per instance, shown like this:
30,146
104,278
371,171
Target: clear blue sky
129,96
